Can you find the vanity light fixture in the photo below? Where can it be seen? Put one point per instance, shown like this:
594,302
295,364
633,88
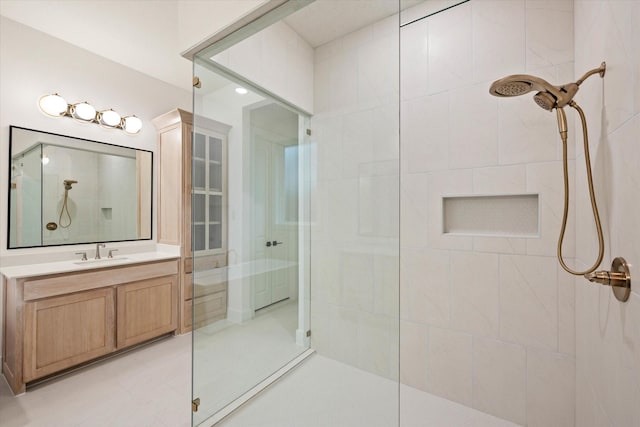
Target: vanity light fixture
83,111
109,118
55,105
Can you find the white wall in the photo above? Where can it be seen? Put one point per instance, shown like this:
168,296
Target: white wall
150,36
486,321
608,331
32,64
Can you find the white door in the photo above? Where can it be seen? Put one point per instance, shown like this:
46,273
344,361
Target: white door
274,213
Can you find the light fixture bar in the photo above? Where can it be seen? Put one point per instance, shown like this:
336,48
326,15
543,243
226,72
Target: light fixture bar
55,105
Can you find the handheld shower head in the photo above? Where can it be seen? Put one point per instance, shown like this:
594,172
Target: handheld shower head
67,183
548,96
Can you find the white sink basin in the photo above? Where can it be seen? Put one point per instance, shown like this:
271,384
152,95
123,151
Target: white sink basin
103,261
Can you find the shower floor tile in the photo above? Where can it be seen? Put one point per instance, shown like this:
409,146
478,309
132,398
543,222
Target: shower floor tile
322,392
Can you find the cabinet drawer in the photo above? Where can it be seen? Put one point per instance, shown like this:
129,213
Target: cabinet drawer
64,331
202,289
60,284
208,308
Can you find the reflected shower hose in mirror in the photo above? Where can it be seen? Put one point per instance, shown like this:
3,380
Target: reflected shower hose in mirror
550,97
65,207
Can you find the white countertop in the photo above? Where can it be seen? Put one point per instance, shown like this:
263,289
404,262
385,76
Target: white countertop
30,270
239,271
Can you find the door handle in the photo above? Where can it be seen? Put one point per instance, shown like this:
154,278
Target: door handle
276,243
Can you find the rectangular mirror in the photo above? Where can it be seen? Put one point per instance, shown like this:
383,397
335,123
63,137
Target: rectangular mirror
66,190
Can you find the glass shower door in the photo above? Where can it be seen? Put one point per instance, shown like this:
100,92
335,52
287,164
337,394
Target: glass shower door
312,258
249,241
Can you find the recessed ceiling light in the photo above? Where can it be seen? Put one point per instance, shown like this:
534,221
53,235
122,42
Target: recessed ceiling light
241,91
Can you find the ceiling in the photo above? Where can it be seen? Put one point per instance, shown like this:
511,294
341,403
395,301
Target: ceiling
150,36
325,20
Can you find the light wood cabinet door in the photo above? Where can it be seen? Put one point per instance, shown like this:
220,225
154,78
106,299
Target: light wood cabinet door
64,331
146,309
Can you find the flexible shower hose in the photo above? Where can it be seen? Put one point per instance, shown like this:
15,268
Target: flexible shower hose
65,209
594,206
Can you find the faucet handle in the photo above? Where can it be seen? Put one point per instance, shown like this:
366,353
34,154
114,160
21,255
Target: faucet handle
111,251
84,255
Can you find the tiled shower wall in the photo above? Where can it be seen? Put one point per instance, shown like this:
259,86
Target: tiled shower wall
486,321
608,331
354,203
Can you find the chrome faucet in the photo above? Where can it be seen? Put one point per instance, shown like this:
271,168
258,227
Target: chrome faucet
98,246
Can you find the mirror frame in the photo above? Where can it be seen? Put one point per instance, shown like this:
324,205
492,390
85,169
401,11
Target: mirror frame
10,158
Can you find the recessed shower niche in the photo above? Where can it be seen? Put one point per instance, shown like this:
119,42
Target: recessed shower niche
497,215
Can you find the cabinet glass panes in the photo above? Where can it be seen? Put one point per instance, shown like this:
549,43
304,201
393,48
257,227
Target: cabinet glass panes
208,190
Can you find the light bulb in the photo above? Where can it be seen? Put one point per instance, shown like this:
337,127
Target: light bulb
131,124
53,105
109,118
84,111
241,91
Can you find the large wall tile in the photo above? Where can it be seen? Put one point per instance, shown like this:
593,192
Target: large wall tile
450,49
546,179
375,332
377,66
413,219
414,60
551,383
357,280
385,278
425,133
623,178
473,139
428,293
529,301
549,25
449,365
475,293
566,312
499,379
413,354
494,54
526,132
500,180
357,134
343,324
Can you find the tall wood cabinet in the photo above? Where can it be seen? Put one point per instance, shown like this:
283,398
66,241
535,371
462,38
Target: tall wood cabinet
193,173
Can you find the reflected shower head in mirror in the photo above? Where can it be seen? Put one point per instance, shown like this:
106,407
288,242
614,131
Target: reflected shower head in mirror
68,182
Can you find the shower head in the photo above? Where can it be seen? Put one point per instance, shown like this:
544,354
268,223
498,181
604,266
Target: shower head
548,96
67,183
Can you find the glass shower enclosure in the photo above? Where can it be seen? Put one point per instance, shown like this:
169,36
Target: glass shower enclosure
305,210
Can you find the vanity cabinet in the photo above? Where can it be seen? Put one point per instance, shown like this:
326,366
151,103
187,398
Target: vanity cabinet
53,322
193,173
64,331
